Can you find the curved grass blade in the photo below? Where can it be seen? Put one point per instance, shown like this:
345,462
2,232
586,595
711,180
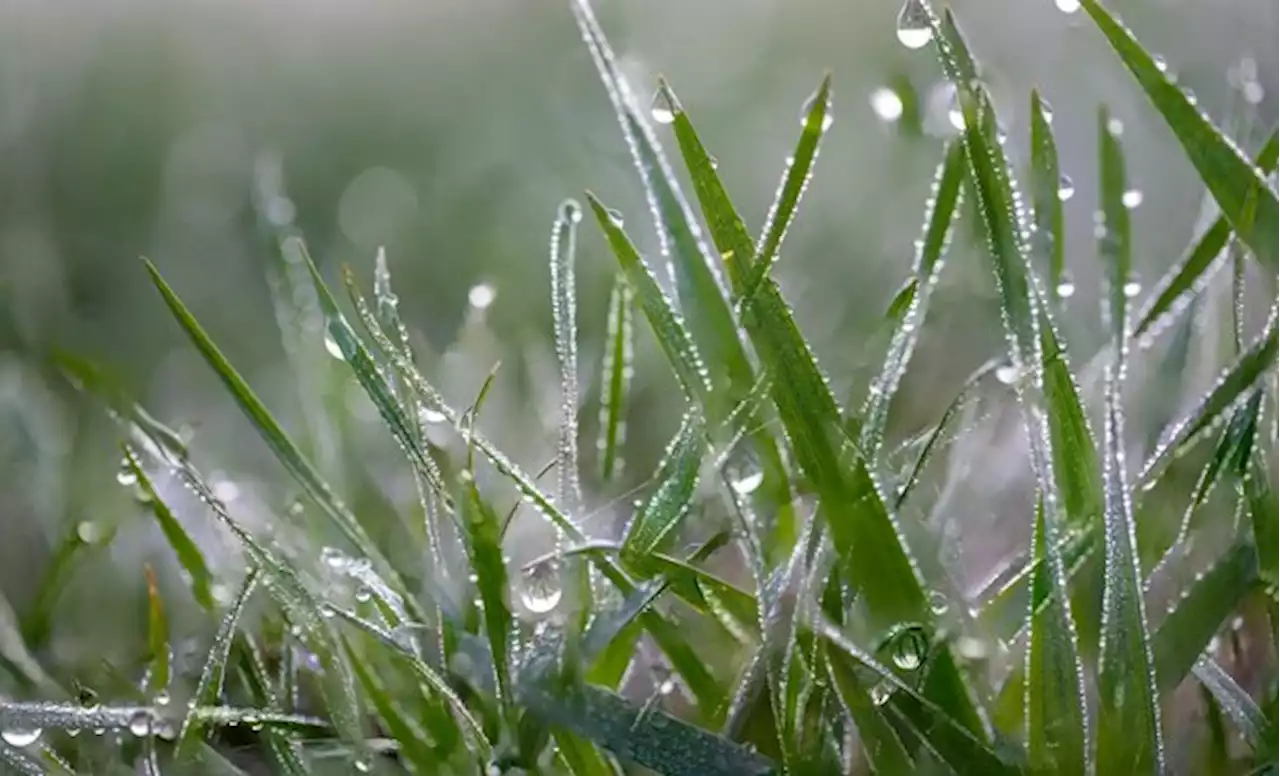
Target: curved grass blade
273,434
677,483
188,554
1235,701
1056,718
20,761
615,382
484,546
1233,385
1240,189
159,656
1129,737
939,215
1113,240
212,677
564,306
880,742
1186,279
782,212
1200,612
1045,201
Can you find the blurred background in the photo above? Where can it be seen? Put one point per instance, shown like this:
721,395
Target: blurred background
448,132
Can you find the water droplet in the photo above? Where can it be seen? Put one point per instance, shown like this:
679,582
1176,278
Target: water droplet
970,648
955,115
661,108
1160,63
881,693
809,106
481,296
1253,92
667,687
1066,288
615,217
938,603
540,587
742,468
331,345
1131,289
140,724
914,30
1008,374
89,532
570,211
221,593
20,736
430,416
1066,189
125,475
1115,127
908,647
1067,6
362,765
887,104
1046,110
162,698
334,559
363,595
1131,198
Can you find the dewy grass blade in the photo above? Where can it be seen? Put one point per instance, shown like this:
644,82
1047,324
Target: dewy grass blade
564,308
272,433
815,121
159,656
615,381
927,267
1112,232
1046,201
880,742
677,483
1258,732
1186,279
1240,189
20,761
1056,723
1129,736
189,555
484,546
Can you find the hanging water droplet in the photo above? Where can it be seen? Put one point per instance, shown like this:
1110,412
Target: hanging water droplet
125,475
1066,189
955,114
570,211
1008,374
1115,127
1067,6
742,468
1131,198
20,736
140,724
809,105
1253,92
661,108
1160,63
429,416
914,30
667,687
363,595
89,532
881,693
938,603
615,217
334,559
1066,288
331,345
1132,288
540,587
481,296
908,647
1046,110
362,765
887,104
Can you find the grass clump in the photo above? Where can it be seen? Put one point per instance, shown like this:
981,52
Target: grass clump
766,587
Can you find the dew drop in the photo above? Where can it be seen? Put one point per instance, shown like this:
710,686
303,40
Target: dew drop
615,217
887,104
140,724
1131,289
1066,189
1066,288
955,115
1131,198
881,693
125,475
808,107
1253,92
570,211
667,687
331,345
334,559
1046,110
89,532
938,603
909,646
1067,6
743,470
430,416
540,587
481,296
1115,127
661,108
362,765
1160,63
1008,374
914,30
20,736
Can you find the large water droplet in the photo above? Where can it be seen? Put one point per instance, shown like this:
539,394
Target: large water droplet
430,416
89,532
881,693
481,296
540,587
1066,288
1131,198
1046,110
570,211
908,647
331,345
807,108
1008,374
1067,6
125,475
20,736
887,104
140,724
1131,288
1066,189
742,468
661,108
1115,127
914,30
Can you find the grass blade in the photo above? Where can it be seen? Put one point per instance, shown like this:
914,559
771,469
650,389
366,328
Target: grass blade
677,482
484,546
880,742
1129,738
189,555
1113,231
1186,279
1240,189
159,656
1046,202
564,306
615,382
939,215
20,761
1232,698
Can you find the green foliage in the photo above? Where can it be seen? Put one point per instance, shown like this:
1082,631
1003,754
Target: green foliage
806,633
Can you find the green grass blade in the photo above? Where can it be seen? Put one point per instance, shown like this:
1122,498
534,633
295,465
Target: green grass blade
1199,613
270,430
214,673
484,546
677,479
159,655
1264,514
408,736
188,554
564,306
1129,737
1046,202
615,381
1186,279
939,215
20,761
1113,232
1233,386
282,748
880,742
815,122
1240,189
1056,717
1248,718
668,326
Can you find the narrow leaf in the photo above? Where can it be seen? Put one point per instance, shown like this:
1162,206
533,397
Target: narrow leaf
1046,202
159,656
1243,711
677,482
615,381
188,554
564,307
880,742
484,546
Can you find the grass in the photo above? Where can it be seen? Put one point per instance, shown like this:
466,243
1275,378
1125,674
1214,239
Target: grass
796,633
